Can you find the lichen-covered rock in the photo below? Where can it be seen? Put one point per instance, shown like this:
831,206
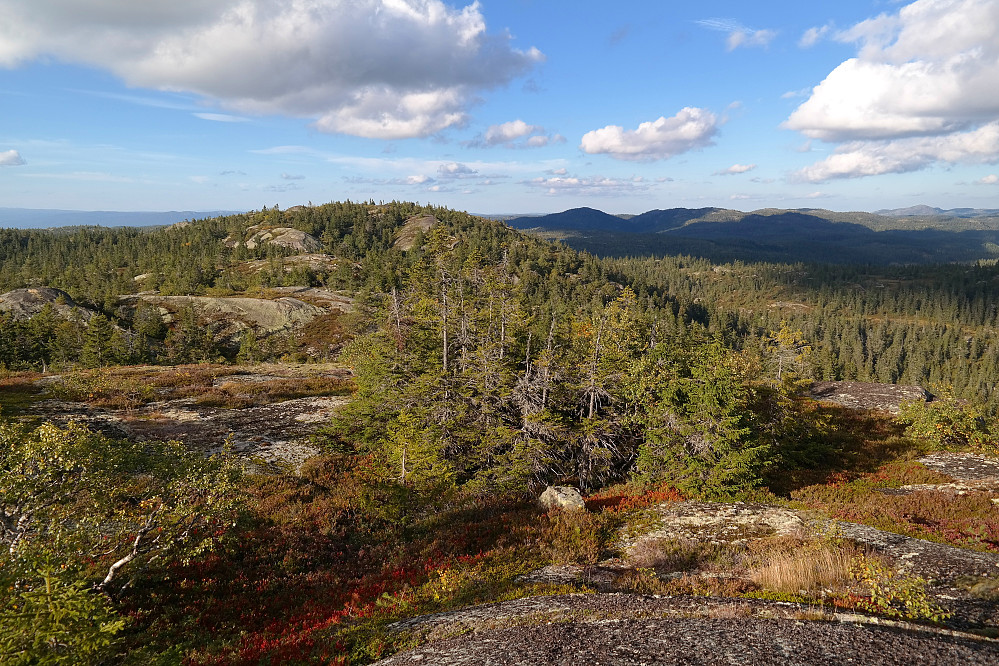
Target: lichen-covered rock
280,236
865,395
566,498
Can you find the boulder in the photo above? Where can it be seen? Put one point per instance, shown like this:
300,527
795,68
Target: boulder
566,498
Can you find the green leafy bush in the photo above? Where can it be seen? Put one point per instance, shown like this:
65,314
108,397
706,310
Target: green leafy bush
948,423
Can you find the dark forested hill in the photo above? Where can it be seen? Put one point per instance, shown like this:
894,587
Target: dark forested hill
777,235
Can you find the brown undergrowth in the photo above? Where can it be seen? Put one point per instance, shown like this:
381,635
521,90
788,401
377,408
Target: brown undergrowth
213,385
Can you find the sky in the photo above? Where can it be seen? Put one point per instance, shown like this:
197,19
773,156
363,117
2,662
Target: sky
499,107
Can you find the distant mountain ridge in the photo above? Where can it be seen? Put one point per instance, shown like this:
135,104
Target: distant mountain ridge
770,234
930,211
42,218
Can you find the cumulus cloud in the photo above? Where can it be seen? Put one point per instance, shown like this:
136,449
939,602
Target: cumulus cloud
456,170
656,140
11,158
738,34
387,69
514,134
923,81
872,158
587,186
990,179
734,169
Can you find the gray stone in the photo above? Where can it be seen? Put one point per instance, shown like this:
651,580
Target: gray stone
566,498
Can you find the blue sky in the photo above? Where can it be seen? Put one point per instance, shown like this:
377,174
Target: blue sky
498,107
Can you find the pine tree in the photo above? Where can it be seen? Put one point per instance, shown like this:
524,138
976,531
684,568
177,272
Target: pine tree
96,352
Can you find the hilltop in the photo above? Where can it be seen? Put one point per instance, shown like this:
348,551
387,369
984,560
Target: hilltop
911,236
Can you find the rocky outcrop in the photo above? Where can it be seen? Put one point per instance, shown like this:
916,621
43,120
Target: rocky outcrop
633,630
565,498
411,228
231,316
281,236
863,395
26,303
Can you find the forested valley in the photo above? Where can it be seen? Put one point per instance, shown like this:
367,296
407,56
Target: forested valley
486,364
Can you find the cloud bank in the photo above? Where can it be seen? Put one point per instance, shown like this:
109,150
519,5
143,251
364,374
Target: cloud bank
567,185
660,139
388,69
923,88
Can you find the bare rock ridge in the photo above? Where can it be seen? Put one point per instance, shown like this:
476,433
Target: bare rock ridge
410,230
238,313
864,395
279,236
230,315
26,303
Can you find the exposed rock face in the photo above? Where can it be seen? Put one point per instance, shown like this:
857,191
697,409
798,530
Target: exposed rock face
26,303
566,498
312,261
280,236
234,315
406,237
715,522
861,395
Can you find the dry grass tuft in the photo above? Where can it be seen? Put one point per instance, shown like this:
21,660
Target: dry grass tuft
795,567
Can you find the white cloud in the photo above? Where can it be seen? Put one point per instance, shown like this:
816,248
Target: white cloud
813,36
221,117
931,71
456,170
738,34
510,131
11,158
734,169
514,134
990,179
387,69
587,186
292,176
872,158
660,139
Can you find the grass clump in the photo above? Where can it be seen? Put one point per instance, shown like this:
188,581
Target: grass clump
807,568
